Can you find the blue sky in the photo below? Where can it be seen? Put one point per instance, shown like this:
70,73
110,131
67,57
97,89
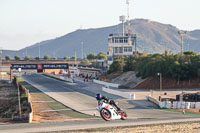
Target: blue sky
25,22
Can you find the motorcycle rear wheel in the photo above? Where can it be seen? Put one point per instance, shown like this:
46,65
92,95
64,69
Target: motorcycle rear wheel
105,114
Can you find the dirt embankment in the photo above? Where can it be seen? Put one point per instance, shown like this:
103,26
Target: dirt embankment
9,105
8,101
125,79
131,81
168,83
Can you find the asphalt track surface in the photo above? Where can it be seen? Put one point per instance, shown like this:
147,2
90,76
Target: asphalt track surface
81,97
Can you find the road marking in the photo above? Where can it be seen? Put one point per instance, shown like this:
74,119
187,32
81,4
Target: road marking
42,101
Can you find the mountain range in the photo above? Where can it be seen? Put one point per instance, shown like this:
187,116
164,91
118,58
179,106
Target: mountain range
152,37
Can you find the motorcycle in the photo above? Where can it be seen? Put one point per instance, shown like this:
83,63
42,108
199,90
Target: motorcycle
108,112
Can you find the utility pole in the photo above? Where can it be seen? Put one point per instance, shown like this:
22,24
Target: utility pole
75,57
82,50
160,74
181,33
26,51
39,52
0,61
135,44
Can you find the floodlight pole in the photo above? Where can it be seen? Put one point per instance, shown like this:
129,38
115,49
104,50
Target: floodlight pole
39,52
160,74
181,33
82,50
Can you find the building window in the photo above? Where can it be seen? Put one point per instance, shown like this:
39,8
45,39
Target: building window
125,49
125,40
116,40
120,50
120,40
116,49
129,49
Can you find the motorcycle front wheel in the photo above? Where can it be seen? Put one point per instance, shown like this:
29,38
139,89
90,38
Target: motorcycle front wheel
105,114
123,115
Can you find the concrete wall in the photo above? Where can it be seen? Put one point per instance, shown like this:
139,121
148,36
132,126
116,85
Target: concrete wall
31,113
106,83
119,93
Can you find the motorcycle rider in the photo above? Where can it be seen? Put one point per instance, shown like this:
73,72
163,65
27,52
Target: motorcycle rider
99,97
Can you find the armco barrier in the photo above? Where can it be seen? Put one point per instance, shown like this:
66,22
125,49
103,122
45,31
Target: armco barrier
119,93
106,83
31,113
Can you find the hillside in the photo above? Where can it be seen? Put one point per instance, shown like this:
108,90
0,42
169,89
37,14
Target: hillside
152,37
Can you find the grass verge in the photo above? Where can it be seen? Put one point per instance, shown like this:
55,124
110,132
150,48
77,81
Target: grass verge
54,105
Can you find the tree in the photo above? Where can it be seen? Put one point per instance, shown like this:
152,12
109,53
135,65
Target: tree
7,57
73,57
37,58
190,53
130,64
66,58
54,58
85,61
27,57
17,57
92,56
102,56
117,65
46,57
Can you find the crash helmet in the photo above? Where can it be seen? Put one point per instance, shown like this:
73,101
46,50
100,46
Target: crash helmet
98,96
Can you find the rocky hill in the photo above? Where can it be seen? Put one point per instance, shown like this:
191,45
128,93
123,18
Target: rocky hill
152,37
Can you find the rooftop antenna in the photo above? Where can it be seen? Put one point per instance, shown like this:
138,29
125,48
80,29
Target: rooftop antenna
128,16
122,19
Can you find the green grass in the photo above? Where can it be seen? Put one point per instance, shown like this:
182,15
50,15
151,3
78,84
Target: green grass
54,105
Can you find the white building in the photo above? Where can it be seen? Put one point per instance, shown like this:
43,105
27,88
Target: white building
119,44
